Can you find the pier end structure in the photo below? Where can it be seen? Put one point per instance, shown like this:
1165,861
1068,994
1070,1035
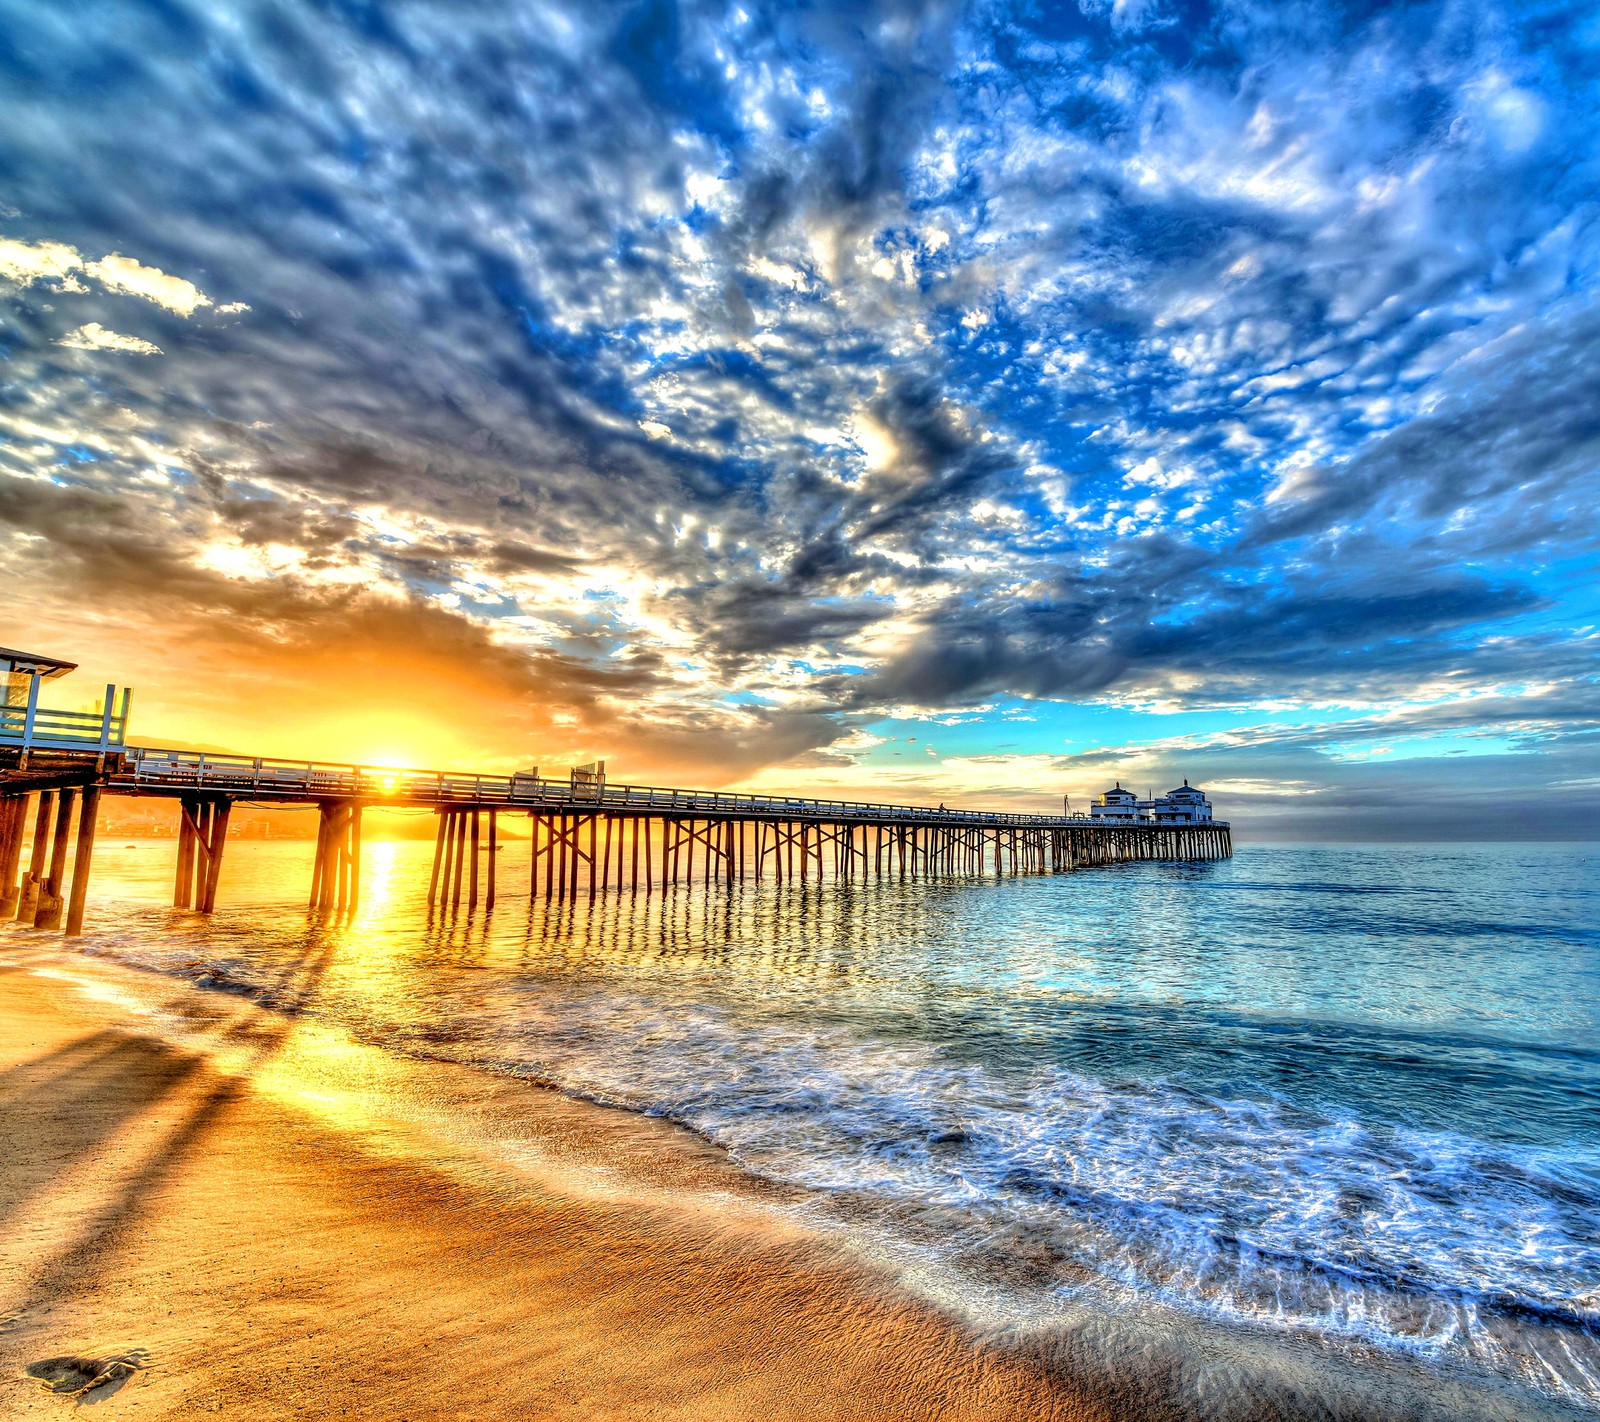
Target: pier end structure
54,764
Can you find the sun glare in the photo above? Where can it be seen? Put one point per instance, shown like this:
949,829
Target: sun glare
387,739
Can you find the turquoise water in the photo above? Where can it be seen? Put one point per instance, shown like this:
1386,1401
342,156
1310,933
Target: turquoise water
1342,1093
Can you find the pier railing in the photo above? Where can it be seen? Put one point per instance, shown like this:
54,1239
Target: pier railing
154,770
35,727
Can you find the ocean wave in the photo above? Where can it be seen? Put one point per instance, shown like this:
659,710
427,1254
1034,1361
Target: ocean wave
1256,1210
1410,1166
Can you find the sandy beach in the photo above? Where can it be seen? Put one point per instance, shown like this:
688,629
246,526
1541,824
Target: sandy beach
263,1217
264,1263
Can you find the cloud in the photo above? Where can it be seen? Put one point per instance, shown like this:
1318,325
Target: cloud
58,265
123,274
724,385
92,336
50,262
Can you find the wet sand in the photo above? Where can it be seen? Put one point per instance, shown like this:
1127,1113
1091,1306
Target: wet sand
266,1220
266,1263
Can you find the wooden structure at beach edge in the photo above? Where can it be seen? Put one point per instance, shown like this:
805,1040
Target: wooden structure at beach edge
584,836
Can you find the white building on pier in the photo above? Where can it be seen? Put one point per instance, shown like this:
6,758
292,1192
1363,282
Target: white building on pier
1184,806
1118,805
1187,805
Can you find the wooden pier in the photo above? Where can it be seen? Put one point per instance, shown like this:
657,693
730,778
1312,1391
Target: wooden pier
584,836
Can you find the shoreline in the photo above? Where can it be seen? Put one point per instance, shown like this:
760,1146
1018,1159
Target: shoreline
290,1224
272,1264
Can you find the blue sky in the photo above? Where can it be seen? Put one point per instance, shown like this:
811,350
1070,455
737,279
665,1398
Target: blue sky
953,402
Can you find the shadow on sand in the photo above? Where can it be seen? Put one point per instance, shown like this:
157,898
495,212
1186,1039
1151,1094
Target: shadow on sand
96,1090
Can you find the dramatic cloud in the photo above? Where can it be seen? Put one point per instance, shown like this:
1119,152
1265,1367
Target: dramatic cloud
49,262
121,273
741,390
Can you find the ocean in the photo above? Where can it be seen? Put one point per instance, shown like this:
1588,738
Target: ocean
1341,1097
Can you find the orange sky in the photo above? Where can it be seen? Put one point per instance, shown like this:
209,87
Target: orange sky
379,681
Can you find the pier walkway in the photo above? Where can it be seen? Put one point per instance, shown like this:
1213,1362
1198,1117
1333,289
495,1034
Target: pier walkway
584,835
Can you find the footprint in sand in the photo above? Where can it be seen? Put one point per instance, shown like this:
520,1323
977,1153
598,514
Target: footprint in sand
88,1378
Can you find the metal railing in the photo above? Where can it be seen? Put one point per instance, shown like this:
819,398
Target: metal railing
150,769
1149,817
36,727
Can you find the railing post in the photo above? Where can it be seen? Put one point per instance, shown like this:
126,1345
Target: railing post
32,711
105,717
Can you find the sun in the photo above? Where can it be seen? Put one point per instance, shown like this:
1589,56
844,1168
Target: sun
390,739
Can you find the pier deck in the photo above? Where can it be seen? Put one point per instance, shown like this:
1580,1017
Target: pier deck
147,771
585,835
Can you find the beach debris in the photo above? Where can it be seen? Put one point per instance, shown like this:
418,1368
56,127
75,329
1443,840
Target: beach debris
74,1377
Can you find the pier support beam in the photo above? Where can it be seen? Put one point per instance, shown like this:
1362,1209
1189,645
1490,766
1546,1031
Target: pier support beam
13,830
47,909
88,814
28,895
494,850
459,850
202,836
336,870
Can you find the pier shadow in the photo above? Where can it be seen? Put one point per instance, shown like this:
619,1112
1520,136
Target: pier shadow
79,1093
90,1091
63,1061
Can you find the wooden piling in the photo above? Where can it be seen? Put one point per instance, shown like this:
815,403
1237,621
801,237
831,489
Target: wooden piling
47,910
459,868
14,828
494,854
443,816
216,841
336,869
318,859
473,818
355,854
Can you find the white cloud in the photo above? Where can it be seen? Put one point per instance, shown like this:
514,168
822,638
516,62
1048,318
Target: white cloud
95,337
28,262
58,264
857,742
779,272
126,275
876,442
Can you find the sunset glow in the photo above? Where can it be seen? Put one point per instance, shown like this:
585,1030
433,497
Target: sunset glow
1115,407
